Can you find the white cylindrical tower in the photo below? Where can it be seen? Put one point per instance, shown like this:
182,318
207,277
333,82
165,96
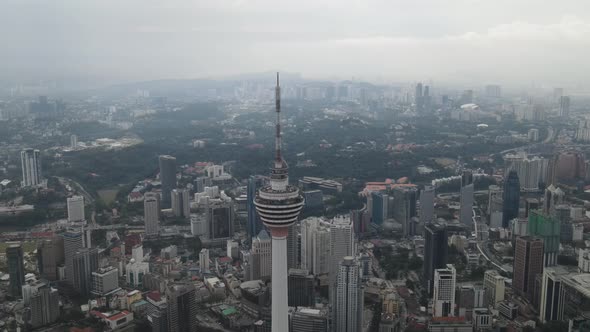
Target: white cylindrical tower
278,206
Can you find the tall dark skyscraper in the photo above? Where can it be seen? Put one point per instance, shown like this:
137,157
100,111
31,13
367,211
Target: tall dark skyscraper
435,252
564,106
84,262
16,269
528,262
254,224
167,177
466,211
182,308
419,98
510,198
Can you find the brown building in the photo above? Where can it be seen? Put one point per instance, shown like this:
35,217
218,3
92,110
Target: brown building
570,165
528,262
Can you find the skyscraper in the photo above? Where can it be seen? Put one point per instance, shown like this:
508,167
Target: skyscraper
444,291
528,262
85,261
44,306
182,308
427,205
553,298
181,203
435,253
418,98
31,167
16,269
151,213
73,141
380,203
167,177
511,198
73,241
278,206
348,306
341,242
261,256
204,260
548,229
254,224
564,106
75,208
301,288
404,206
315,245
466,210
50,254
293,247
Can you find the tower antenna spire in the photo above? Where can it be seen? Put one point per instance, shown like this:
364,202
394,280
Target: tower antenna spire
278,156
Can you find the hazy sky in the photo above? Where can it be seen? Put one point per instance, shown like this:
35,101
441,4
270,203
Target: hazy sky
452,40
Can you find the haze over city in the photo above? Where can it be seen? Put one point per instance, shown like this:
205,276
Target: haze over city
515,43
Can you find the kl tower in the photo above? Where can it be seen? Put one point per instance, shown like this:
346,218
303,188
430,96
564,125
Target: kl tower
278,206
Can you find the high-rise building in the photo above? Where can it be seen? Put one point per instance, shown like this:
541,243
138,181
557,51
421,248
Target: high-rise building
315,245
427,205
135,272
548,229
180,203
73,141
75,208
44,306
105,280
308,320
167,177
220,219
404,207
261,257
348,304
466,209
564,106
301,288
341,245
530,171
552,298
444,291
84,262
16,269
510,198
73,241
493,91
419,98
379,207
278,206
254,224
182,308
293,247
151,213
204,260
552,198
528,262
495,286
31,167
435,252
50,254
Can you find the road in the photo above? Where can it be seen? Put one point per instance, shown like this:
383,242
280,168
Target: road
550,137
484,252
89,199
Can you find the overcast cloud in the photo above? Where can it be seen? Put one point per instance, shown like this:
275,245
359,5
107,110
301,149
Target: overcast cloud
504,41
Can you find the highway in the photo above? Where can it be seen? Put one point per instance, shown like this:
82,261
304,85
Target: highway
484,252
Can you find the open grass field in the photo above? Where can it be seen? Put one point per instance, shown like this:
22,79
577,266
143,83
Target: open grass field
108,195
